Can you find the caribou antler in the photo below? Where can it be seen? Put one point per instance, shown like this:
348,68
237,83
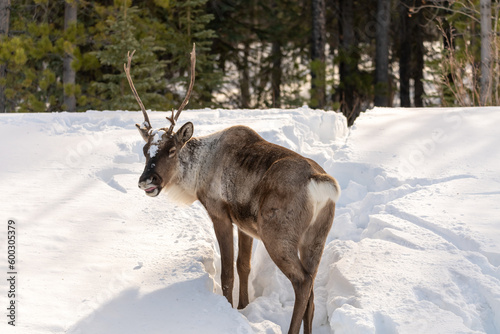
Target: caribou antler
147,123
173,119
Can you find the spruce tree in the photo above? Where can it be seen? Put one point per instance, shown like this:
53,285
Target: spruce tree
30,55
147,71
189,23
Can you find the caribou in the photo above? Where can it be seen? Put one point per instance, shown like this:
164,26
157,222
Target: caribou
269,192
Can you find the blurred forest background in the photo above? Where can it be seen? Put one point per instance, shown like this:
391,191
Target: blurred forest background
342,55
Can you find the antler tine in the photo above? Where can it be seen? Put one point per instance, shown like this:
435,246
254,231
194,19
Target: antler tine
189,91
134,91
172,118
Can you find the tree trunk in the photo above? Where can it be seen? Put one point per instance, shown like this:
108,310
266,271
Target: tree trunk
348,63
4,33
404,55
245,79
449,46
418,52
382,53
276,73
318,78
69,74
485,52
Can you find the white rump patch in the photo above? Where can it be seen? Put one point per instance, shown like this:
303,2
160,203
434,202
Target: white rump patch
320,193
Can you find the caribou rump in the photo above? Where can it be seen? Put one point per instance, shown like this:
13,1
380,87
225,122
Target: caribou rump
269,192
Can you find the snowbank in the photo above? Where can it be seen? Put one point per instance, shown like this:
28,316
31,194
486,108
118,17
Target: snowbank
415,246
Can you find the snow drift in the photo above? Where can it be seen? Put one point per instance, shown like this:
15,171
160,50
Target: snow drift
415,245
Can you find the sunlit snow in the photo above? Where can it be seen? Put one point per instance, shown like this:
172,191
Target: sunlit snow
414,248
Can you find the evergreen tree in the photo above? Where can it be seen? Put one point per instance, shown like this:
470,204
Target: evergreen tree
69,74
30,56
268,43
382,93
4,34
351,41
33,56
147,71
404,53
188,22
318,66
250,54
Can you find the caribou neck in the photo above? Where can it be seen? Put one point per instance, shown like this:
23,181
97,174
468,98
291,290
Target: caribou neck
193,158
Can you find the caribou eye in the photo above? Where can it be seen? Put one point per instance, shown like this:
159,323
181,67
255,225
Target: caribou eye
171,153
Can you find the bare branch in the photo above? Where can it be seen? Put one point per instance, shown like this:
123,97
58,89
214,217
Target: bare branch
147,123
415,10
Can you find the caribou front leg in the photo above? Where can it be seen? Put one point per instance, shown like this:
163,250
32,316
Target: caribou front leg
243,266
224,233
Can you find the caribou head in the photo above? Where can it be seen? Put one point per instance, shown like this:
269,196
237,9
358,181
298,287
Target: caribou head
162,144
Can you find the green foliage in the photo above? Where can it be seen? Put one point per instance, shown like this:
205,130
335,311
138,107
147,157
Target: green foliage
360,80
188,23
33,55
317,67
147,71
99,42
245,35
249,54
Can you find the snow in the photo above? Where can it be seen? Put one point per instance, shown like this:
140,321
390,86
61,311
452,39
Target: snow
155,142
414,248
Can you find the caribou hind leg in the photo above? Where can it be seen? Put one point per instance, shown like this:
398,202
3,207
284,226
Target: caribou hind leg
280,232
308,315
285,256
311,250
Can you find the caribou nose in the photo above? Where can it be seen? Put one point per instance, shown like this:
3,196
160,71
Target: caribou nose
146,181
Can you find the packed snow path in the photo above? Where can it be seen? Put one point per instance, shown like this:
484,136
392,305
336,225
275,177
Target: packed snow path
415,245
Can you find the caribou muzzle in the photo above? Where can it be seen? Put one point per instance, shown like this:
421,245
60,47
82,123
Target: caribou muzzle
151,184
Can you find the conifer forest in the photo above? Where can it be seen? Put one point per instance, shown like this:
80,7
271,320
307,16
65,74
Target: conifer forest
340,55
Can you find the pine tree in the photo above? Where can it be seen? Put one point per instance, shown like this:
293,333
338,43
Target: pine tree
404,53
189,22
122,36
268,44
382,93
4,34
31,55
69,74
318,66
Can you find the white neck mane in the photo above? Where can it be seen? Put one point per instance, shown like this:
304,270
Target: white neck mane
184,186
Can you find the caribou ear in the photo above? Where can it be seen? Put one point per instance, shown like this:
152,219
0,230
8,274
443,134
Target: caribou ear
144,132
184,133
